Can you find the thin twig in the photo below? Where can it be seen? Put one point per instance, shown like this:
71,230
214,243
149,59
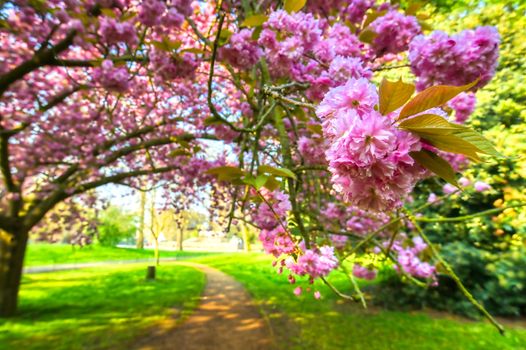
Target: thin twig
454,276
469,217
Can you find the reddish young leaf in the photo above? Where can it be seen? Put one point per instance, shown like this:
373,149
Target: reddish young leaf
434,96
393,95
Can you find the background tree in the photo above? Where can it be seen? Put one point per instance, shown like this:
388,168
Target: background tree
115,226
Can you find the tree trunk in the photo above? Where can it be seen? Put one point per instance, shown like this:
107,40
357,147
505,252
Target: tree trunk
140,234
12,251
246,238
156,252
180,239
150,273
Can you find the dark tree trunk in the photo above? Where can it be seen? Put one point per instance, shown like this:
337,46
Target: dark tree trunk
12,251
150,273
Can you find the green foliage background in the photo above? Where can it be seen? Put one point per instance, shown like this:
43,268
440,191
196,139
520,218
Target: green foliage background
115,226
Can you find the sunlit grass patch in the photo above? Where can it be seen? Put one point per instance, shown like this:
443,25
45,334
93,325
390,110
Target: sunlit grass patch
98,308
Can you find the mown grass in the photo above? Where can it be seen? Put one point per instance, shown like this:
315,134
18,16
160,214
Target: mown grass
103,308
106,309
41,254
305,323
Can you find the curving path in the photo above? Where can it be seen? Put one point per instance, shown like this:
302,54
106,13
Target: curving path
226,319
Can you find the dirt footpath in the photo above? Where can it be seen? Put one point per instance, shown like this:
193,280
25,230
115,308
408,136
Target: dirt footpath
226,319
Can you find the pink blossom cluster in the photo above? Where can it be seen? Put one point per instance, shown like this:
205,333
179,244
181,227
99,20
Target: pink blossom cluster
361,222
306,49
265,216
114,32
463,104
408,258
342,68
150,12
241,51
169,67
455,60
111,77
363,272
155,12
394,31
339,241
368,156
478,186
277,241
311,149
349,10
315,262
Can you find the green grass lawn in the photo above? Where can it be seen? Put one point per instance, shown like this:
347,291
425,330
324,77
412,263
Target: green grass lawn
103,308
305,323
40,254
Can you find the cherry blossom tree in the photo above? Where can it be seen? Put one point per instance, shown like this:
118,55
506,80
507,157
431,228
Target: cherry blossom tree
322,148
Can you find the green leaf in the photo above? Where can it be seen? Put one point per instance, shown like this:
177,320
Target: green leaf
108,12
453,144
256,182
367,36
127,16
294,5
425,25
393,95
372,16
225,36
436,165
254,21
194,50
256,33
448,136
413,8
211,121
315,128
477,140
272,184
434,96
226,173
428,123
283,172
167,45
180,152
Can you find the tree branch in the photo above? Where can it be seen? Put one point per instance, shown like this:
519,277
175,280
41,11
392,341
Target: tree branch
39,59
120,177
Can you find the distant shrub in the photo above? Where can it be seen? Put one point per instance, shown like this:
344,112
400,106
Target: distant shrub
115,226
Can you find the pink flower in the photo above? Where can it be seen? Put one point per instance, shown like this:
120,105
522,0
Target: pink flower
449,189
150,12
455,60
433,198
357,94
111,77
394,32
363,272
370,140
317,295
463,105
481,186
464,182
241,51
265,217
297,291
277,242
344,68
114,32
